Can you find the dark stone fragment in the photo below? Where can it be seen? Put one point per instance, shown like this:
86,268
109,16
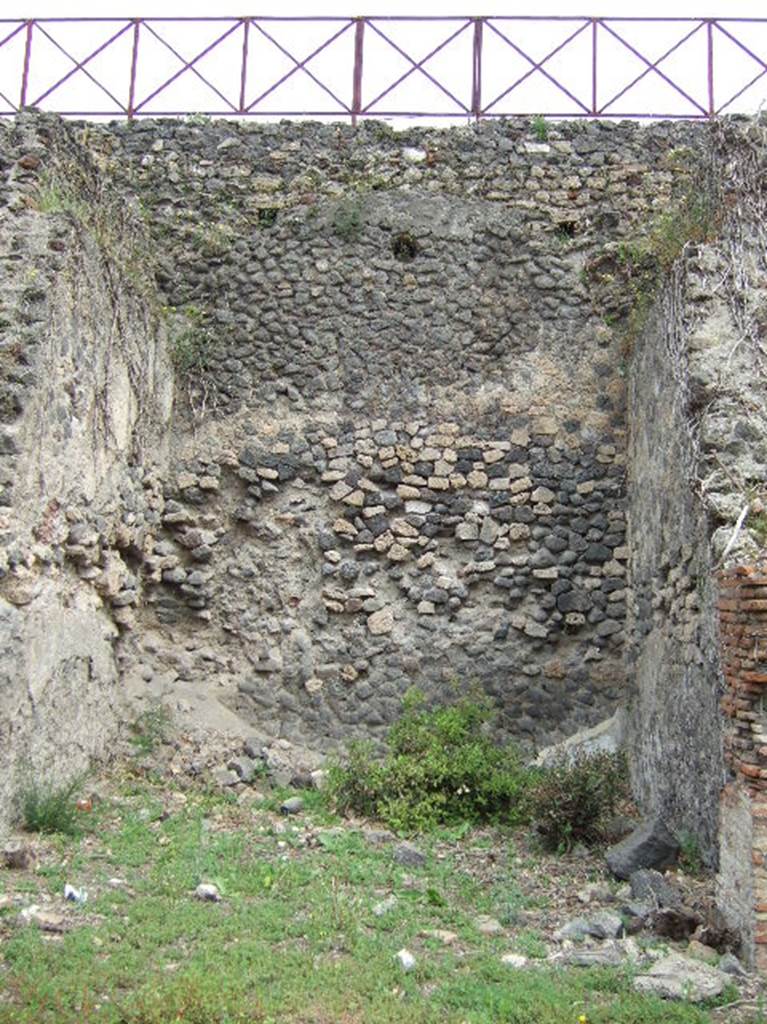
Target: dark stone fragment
610,586
596,554
574,601
651,887
287,471
409,856
326,540
650,845
555,544
608,628
377,525
391,501
542,559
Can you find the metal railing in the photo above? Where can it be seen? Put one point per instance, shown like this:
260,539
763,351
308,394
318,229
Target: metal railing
384,67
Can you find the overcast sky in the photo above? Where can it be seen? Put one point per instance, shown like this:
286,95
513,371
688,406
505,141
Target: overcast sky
192,8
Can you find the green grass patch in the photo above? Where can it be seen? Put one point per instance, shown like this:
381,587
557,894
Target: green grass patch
295,939
47,808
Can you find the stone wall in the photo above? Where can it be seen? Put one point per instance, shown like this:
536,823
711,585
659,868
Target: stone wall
697,464
673,648
742,875
84,408
400,445
404,452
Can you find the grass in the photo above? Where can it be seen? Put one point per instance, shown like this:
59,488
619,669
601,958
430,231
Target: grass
294,939
46,808
151,729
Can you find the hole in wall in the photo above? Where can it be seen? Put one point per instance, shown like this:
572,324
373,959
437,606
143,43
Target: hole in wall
404,247
567,228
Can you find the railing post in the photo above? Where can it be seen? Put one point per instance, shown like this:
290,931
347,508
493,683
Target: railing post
25,69
710,44
133,68
594,89
359,44
476,70
244,71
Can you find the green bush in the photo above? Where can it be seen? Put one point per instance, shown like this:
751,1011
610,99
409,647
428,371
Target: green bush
574,799
440,769
46,808
150,729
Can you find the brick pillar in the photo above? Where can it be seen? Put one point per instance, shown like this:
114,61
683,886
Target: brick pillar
742,892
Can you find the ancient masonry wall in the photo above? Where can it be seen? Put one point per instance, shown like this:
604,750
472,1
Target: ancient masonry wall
404,458
743,872
399,446
697,459
84,406
672,653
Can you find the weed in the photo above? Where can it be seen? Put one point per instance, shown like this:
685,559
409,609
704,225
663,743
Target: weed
347,220
440,768
267,216
540,128
48,809
150,729
293,941
404,246
757,524
690,856
53,197
530,943
574,798
190,338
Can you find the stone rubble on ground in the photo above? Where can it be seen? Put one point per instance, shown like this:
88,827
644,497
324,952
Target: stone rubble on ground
678,977
409,856
208,892
406,960
650,845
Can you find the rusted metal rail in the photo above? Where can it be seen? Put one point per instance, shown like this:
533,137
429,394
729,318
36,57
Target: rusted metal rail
384,67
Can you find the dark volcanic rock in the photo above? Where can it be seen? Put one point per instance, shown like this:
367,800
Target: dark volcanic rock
650,845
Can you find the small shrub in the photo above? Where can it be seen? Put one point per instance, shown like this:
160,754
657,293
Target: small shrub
690,856
267,216
347,220
441,768
190,339
405,247
46,808
540,128
573,800
150,729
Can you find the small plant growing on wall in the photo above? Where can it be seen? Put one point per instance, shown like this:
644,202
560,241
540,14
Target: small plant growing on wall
189,338
404,246
347,220
267,216
540,128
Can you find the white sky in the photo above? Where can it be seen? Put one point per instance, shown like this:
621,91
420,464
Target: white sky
501,67
201,8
